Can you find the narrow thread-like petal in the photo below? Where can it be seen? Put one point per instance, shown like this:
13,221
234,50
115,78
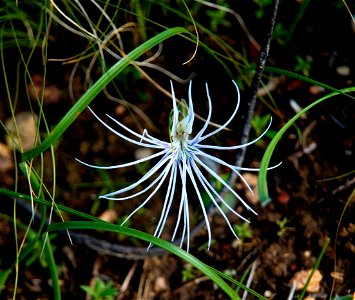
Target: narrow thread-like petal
149,197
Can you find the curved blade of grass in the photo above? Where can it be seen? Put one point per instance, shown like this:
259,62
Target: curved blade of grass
4,274
99,224
316,266
239,284
49,257
28,198
48,250
306,79
74,212
53,270
97,87
262,182
150,239
36,188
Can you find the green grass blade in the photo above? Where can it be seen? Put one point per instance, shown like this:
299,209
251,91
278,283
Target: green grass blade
239,285
25,197
316,266
262,182
40,201
97,87
53,270
306,79
150,239
36,188
3,278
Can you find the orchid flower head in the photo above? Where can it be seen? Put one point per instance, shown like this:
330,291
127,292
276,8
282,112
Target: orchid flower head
182,160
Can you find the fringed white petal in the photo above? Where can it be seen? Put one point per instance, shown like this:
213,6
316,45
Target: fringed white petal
184,158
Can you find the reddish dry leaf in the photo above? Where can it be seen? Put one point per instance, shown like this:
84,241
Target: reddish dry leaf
301,277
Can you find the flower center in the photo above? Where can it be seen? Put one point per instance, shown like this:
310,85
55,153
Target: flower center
179,143
181,121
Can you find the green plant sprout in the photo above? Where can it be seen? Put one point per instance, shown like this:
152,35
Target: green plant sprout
218,17
303,65
243,231
101,290
259,123
282,226
261,4
230,272
280,34
36,255
188,273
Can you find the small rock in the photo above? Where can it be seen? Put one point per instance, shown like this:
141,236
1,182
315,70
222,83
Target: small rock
351,228
343,70
160,285
109,215
120,110
26,126
267,294
283,198
307,254
316,89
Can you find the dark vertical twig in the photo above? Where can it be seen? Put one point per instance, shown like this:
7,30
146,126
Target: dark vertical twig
264,53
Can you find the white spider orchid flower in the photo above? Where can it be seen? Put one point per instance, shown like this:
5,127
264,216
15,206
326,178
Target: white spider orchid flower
181,157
